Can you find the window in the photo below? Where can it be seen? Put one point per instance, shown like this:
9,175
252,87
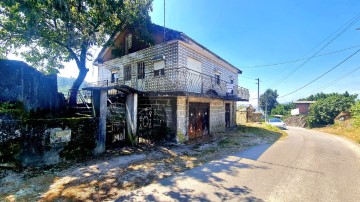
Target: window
232,81
127,72
193,65
159,68
128,43
217,78
114,77
141,70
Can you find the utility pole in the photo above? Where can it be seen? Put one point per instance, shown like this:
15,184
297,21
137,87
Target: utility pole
266,104
258,83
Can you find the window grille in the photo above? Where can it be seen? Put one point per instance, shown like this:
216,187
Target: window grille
141,70
127,73
217,78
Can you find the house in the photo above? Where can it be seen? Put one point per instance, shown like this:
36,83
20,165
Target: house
302,107
175,82
21,82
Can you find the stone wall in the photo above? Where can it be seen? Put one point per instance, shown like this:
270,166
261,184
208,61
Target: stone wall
217,114
166,104
40,142
182,119
21,82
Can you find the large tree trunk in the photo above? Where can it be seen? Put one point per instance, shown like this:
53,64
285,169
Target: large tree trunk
76,85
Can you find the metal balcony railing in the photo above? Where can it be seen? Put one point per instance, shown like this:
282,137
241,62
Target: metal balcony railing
180,80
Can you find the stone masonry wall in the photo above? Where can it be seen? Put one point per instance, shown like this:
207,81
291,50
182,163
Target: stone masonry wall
217,114
182,119
21,82
168,104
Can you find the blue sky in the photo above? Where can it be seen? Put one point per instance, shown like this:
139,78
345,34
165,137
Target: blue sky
250,33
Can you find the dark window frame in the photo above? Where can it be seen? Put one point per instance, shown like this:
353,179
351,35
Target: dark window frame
217,79
127,72
159,72
141,70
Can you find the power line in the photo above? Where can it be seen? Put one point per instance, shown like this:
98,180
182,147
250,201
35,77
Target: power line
292,61
352,22
321,75
336,80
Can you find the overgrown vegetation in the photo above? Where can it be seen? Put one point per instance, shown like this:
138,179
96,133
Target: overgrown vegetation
325,110
283,109
12,109
348,128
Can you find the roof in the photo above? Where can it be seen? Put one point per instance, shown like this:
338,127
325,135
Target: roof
304,102
170,35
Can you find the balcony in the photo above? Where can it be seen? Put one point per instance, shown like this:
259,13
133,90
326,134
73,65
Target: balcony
180,82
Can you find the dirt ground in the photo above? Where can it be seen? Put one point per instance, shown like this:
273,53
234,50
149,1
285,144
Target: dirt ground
115,173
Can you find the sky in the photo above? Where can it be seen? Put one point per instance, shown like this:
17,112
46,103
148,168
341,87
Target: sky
252,33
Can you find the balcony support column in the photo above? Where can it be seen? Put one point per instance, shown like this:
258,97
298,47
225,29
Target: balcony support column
99,101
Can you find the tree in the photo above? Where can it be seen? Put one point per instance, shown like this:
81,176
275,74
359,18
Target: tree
49,32
321,95
283,109
325,110
269,98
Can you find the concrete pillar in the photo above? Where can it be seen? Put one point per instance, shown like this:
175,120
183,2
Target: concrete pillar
131,107
99,110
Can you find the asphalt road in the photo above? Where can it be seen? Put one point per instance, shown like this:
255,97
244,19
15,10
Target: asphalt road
305,166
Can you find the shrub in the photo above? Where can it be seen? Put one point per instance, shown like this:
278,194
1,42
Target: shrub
324,111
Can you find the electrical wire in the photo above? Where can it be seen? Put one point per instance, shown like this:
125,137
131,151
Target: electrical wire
336,80
297,60
352,22
317,78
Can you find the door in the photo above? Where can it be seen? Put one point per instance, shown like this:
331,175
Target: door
198,119
227,115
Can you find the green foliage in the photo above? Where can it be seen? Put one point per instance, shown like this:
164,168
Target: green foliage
283,109
325,110
269,99
14,109
48,33
355,109
355,113
321,95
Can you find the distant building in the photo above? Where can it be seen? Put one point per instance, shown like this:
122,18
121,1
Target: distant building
303,107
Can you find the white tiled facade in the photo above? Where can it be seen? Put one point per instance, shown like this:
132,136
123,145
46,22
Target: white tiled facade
178,78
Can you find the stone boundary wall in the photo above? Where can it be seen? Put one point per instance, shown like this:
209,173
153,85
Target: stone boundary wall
168,104
40,142
217,114
21,82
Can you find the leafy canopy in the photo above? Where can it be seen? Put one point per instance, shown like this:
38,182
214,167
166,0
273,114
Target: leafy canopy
57,31
325,110
283,109
322,95
269,98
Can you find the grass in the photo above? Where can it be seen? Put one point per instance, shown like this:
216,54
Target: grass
348,128
111,183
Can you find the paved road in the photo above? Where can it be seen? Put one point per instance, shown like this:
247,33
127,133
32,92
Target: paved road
306,166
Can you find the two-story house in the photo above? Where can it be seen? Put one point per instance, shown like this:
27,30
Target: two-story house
188,87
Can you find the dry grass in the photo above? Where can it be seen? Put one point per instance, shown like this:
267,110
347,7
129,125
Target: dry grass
97,185
346,129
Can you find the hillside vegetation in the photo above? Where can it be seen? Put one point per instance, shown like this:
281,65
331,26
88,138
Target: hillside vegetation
348,128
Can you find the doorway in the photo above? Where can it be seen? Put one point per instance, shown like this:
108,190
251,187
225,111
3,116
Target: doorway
198,119
227,115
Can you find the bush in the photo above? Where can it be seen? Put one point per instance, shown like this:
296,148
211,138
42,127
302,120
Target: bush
355,113
355,109
324,111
